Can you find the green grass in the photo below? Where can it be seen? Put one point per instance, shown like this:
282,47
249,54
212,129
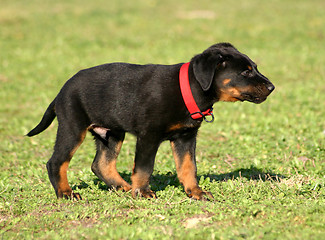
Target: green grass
264,163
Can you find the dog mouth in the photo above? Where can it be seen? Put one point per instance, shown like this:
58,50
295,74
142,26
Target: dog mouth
251,98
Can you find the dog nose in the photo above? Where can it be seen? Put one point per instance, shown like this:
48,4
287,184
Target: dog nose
270,87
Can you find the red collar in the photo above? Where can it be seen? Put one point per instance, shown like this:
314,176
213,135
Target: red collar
188,96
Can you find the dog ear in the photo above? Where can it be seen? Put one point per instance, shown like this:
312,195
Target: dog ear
204,67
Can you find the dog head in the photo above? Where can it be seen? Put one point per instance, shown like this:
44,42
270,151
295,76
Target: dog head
232,75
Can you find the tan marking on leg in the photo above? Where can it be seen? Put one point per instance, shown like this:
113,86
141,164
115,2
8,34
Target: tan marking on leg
118,147
176,158
82,137
187,173
186,169
140,180
109,171
63,184
140,185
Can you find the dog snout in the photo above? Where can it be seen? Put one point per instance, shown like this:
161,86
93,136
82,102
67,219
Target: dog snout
270,87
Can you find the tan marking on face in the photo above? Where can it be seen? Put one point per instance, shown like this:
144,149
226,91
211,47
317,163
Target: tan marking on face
247,89
249,68
232,94
227,98
229,95
226,81
234,91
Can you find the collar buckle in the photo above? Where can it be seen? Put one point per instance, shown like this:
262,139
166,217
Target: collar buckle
209,120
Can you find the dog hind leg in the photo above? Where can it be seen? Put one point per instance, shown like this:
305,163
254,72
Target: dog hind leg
67,142
104,164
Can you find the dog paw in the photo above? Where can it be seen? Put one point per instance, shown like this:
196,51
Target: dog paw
125,188
199,194
72,196
146,193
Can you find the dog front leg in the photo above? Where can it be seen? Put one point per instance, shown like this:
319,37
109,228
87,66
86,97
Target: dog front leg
184,154
146,149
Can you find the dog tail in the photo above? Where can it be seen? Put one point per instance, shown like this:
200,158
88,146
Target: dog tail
47,119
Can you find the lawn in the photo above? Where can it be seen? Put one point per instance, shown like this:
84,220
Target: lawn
265,164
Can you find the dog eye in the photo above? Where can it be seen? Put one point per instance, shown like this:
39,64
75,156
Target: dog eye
247,73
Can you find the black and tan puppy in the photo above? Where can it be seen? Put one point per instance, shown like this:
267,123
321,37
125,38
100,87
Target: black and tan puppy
146,101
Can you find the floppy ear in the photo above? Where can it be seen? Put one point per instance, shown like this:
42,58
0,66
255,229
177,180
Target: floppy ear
204,67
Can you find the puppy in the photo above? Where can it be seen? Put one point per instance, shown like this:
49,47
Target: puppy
153,102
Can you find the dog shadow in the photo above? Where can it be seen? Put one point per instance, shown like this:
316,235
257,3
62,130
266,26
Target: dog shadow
160,181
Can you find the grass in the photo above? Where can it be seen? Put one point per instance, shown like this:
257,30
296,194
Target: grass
263,163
